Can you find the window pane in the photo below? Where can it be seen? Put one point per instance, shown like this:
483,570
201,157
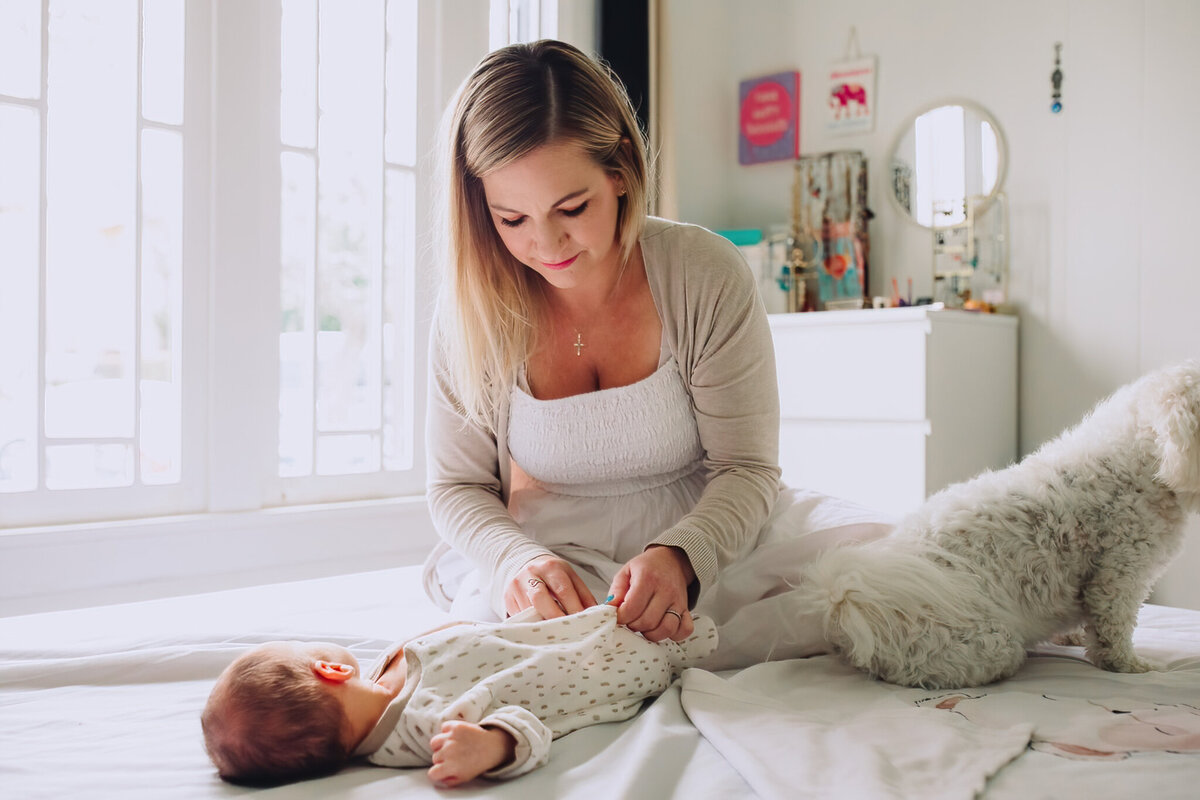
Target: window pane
21,48
350,201
398,316
90,201
943,127
162,305
401,139
89,466
989,157
297,241
342,455
346,342
162,61
298,76
19,168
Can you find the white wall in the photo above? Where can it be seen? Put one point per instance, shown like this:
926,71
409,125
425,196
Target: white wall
1102,196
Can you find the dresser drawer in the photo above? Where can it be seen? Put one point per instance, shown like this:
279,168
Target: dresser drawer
851,370
884,406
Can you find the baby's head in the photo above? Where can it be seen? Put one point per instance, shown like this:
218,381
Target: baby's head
271,718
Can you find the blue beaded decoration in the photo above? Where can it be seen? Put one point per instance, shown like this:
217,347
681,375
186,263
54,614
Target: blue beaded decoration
1056,79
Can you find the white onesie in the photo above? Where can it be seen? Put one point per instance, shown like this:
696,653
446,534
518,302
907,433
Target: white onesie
538,680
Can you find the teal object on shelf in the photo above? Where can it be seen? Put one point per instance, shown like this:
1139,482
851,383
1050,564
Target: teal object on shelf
743,236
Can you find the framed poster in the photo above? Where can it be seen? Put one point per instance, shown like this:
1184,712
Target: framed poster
769,118
850,97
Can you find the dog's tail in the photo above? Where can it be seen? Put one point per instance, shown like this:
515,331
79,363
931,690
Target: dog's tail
890,609
1169,403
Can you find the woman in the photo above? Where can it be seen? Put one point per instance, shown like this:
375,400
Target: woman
603,409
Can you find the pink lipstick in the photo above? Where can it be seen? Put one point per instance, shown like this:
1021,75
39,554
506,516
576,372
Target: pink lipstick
561,264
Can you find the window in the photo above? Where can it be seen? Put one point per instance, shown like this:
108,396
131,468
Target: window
515,21
91,220
347,205
208,280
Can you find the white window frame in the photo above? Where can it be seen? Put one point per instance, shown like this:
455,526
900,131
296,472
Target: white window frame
572,21
240,531
246,299
42,505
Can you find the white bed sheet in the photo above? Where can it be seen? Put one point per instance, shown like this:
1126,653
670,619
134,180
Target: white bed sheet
105,702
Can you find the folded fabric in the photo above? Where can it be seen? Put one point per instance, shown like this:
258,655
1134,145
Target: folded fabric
814,728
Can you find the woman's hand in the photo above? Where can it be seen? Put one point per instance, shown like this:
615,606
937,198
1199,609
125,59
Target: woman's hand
550,585
463,751
651,595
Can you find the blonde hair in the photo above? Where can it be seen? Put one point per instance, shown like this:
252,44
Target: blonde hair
269,721
519,98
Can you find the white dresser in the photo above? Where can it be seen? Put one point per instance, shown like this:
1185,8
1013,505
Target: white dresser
886,406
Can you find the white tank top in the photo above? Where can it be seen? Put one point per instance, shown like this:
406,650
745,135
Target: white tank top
608,442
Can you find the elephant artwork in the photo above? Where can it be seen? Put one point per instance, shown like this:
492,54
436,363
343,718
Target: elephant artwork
848,99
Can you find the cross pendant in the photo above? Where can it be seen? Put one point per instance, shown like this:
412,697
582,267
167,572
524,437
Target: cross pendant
579,345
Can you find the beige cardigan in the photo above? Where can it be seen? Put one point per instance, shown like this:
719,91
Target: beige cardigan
715,326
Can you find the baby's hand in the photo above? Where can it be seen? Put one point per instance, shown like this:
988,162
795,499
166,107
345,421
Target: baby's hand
463,751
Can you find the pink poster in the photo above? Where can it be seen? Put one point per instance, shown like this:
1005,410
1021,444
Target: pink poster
769,118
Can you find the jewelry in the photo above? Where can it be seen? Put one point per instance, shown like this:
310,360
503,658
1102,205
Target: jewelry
566,318
676,613
1056,79
533,582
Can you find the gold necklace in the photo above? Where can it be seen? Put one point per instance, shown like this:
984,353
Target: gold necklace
579,344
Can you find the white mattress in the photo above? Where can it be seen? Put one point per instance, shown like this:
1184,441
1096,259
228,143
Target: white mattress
105,702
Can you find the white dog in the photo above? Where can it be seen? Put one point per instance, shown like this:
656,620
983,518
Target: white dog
1075,534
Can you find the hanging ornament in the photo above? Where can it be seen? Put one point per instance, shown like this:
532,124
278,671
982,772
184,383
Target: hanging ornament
1056,79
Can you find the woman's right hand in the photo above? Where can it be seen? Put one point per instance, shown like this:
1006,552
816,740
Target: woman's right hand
550,585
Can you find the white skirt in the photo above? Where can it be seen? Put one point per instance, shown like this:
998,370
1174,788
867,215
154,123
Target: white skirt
758,619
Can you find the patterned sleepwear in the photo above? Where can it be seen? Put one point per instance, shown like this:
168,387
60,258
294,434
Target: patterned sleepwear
538,680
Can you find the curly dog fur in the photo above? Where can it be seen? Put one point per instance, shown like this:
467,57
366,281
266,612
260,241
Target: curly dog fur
1074,535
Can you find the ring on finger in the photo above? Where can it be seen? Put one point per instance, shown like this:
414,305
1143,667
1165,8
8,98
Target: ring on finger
533,582
678,616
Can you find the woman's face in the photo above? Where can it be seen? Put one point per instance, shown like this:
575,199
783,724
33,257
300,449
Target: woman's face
556,211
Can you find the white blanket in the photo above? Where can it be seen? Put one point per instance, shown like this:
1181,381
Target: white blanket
105,702
814,728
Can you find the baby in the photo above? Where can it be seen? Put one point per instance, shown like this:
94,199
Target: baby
469,699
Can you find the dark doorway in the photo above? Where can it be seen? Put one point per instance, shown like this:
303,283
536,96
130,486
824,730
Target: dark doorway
624,42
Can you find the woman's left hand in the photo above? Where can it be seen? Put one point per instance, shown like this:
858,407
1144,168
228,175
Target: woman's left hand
651,594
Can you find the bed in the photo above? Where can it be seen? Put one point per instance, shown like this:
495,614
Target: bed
105,702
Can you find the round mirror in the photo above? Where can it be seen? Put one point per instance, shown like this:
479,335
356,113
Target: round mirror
942,156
